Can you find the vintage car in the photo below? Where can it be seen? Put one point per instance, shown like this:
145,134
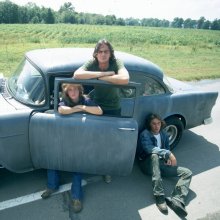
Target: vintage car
34,135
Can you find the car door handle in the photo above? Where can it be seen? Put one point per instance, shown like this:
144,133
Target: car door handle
127,129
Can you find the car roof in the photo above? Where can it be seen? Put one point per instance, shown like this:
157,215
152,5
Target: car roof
66,60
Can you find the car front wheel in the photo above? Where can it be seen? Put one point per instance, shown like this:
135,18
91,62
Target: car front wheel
174,128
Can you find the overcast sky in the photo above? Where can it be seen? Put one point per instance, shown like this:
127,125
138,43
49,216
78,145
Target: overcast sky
161,9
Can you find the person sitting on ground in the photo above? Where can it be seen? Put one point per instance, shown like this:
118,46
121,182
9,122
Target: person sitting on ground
156,159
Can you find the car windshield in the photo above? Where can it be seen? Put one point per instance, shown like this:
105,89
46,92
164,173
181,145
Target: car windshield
27,85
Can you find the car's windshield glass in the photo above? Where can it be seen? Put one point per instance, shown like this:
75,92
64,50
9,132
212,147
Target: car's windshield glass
27,85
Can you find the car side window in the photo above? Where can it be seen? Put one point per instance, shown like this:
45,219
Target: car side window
149,86
127,102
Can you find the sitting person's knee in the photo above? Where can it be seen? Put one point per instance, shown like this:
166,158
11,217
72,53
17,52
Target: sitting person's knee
189,173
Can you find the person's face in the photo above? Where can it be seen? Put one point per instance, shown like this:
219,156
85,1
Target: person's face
73,93
103,54
155,126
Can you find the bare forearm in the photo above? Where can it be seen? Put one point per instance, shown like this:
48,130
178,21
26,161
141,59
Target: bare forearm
110,76
84,74
122,78
116,79
96,110
65,110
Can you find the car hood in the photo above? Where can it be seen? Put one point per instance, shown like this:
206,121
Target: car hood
9,104
4,97
5,105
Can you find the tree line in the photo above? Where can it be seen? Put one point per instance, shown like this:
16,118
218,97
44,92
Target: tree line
11,13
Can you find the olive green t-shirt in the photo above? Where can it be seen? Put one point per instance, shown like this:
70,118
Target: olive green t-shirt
105,96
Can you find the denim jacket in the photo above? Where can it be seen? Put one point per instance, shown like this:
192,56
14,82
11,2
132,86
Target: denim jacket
148,145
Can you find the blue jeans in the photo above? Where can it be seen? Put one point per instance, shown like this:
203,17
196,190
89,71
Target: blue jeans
53,182
155,167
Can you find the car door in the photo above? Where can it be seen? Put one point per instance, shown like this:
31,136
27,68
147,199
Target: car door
83,142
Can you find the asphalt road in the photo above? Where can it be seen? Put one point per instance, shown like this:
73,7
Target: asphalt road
126,198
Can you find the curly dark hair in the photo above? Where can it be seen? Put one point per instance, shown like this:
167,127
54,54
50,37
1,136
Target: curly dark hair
151,117
97,48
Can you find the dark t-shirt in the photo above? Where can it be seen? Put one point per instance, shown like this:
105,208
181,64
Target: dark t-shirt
106,97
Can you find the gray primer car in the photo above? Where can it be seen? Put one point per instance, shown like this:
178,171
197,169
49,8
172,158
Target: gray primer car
33,135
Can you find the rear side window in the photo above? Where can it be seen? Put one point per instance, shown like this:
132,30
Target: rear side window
149,86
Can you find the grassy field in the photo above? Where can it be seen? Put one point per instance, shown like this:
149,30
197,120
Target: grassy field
184,54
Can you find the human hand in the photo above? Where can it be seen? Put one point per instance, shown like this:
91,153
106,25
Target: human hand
168,162
173,160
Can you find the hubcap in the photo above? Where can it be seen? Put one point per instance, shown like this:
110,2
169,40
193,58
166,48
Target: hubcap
172,133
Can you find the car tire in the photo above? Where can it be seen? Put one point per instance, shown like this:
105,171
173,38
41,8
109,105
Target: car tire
174,128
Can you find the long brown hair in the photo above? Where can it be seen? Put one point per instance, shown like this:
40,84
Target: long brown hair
107,43
67,100
150,118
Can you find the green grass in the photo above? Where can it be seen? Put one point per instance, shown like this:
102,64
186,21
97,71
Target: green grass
184,54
